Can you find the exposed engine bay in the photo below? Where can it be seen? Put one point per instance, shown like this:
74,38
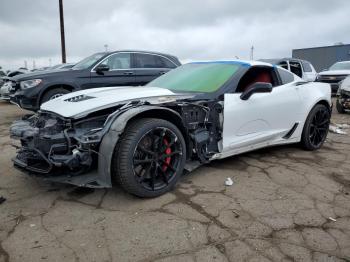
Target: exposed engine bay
70,150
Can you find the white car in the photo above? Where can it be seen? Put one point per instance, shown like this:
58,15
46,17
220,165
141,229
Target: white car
144,137
302,68
335,74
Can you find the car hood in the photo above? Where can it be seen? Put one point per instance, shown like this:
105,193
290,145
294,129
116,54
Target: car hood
40,74
82,103
335,72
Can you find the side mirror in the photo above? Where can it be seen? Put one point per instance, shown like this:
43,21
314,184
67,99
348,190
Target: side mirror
101,68
258,87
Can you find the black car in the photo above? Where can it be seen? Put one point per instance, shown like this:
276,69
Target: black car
118,68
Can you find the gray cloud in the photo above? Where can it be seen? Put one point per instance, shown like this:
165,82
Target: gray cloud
192,29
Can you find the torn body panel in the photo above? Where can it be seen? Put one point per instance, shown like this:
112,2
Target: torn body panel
80,151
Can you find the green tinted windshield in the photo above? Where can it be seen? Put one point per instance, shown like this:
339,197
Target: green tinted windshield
197,77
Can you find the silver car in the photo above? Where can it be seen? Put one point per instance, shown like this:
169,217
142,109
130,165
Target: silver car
5,90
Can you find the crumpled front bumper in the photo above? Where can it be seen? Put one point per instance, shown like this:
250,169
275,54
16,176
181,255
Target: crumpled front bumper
34,157
343,98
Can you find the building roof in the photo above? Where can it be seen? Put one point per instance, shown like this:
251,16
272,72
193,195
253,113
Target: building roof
321,47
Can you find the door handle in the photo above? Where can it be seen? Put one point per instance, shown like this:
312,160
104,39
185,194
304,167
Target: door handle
162,72
128,73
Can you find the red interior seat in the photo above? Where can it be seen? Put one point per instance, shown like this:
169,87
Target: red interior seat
263,77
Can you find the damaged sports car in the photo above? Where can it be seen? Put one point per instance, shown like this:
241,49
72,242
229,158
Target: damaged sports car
144,138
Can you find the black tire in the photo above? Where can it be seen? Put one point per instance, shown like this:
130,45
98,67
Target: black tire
149,158
316,127
52,93
340,108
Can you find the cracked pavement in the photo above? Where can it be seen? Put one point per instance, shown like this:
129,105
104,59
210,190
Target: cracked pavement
286,204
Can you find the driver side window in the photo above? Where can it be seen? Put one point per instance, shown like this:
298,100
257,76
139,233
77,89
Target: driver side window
118,61
255,75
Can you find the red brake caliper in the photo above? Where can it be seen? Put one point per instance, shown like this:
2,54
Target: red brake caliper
167,159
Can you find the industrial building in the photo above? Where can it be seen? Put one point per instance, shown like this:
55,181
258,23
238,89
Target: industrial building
325,56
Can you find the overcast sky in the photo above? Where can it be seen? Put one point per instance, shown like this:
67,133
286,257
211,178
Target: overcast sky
189,29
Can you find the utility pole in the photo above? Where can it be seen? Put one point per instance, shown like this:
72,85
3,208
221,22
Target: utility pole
252,53
63,42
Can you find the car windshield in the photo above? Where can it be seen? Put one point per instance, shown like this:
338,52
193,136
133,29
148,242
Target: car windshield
203,77
340,66
87,62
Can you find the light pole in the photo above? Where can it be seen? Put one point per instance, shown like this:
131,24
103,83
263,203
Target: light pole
63,42
252,53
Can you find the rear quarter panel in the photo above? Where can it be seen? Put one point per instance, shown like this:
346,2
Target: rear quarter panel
311,94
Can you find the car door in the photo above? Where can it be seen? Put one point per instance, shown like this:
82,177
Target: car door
262,119
150,66
120,72
309,71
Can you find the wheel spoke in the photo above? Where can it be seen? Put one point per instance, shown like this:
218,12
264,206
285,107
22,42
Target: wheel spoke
163,174
161,144
324,122
146,150
153,177
142,161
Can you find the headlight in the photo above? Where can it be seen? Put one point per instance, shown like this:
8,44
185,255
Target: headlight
30,83
339,91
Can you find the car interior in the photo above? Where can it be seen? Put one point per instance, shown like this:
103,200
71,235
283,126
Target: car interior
284,65
295,67
255,75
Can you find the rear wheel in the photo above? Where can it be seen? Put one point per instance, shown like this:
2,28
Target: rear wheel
150,157
54,93
340,108
316,128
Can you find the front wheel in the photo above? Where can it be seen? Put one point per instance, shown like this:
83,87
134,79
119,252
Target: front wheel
150,157
54,93
316,127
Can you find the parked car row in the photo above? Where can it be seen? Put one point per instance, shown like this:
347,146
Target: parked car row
128,68
119,68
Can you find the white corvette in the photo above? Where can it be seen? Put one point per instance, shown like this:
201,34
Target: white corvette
144,137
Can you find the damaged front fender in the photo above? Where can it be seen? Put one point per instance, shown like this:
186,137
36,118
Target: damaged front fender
110,139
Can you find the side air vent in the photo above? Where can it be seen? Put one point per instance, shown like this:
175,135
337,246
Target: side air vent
78,98
290,132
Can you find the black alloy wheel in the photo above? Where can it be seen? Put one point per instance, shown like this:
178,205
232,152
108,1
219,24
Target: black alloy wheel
150,157
156,158
316,127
